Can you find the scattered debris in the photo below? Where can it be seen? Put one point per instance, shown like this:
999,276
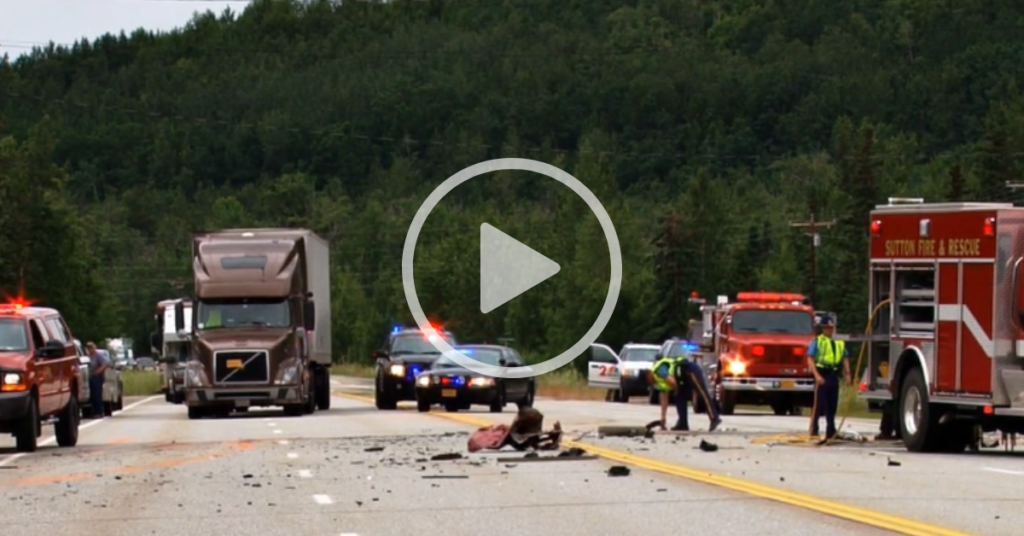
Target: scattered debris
625,431
446,457
525,432
562,457
575,451
445,476
894,463
618,470
707,446
373,449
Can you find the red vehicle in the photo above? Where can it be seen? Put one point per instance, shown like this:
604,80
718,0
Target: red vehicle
947,345
759,344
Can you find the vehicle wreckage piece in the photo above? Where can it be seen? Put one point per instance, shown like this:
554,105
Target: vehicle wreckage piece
525,432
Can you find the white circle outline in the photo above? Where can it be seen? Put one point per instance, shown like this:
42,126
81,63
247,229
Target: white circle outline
512,164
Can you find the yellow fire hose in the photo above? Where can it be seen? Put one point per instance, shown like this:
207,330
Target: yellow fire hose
809,440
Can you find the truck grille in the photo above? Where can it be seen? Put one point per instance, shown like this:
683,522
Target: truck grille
241,367
781,355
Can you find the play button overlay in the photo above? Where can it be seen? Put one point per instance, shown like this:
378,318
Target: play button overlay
513,268
508,268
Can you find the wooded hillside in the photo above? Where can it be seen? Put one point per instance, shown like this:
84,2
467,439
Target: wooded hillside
706,128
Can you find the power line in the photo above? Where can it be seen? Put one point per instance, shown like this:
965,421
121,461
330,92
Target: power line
812,226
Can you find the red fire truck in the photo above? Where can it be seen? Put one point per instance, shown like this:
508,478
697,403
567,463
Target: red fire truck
947,345
758,347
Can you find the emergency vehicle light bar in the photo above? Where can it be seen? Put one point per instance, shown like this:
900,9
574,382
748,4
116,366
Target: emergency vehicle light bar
769,297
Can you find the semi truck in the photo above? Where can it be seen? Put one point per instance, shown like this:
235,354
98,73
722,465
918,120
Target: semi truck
757,345
172,346
261,330
945,348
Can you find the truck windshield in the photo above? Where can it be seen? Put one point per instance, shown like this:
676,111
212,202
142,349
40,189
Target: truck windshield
233,313
767,321
12,335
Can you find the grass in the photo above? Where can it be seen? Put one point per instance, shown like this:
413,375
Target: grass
570,384
140,383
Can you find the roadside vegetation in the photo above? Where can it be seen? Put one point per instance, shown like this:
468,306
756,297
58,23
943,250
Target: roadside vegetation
140,383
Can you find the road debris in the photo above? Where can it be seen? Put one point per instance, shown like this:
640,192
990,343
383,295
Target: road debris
707,446
450,477
625,431
618,470
525,432
446,457
893,463
373,449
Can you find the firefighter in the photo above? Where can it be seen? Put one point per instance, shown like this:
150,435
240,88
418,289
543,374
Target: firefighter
662,378
690,379
825,356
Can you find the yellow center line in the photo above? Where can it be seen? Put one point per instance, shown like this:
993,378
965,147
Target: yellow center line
845,511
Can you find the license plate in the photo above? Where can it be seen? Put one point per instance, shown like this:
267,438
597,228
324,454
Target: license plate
448,393
234,363
787,384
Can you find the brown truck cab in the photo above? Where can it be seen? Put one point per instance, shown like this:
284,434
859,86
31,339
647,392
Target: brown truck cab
38,376
261,328
759,342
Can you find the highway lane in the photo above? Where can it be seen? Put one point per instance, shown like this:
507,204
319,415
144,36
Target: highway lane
352,470
970,493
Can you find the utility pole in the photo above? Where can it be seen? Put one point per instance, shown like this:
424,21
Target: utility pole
812,226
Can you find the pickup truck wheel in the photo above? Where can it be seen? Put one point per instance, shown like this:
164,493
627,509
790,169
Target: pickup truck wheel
381,399
66,427
26,431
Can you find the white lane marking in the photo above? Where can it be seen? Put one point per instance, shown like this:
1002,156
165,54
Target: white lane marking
323,499
305,473
277,430
1003,471
265,419
90,424
349,534
283,442
293,455
271,424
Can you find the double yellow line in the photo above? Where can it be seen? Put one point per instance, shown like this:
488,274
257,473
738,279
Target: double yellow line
852,513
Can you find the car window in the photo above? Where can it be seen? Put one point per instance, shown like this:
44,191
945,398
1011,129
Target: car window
12,335
487,356
37,333
639,354
54,328
769,321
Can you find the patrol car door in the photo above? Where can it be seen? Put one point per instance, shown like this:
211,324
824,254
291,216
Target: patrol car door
603,367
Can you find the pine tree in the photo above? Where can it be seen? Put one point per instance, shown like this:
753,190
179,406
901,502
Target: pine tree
956,182
668,272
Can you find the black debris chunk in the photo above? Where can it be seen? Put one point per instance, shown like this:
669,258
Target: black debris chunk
373,449
707,447
618,470
894,463
446,457
575,451
446,476
247,475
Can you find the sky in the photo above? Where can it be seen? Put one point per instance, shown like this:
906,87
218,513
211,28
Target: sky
24,23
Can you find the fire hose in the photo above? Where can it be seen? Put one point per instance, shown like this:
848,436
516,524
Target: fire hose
846,403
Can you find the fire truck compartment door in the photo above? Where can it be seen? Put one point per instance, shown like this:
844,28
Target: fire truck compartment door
603,367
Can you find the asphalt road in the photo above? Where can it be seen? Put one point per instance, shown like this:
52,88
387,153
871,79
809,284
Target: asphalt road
355,470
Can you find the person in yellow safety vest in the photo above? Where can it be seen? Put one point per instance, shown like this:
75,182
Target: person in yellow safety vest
825,356
662,378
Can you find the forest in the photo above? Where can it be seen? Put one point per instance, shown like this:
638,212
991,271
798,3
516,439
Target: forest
707,128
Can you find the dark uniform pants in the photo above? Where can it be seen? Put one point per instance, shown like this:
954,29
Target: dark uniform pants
826,402
96,395
692,380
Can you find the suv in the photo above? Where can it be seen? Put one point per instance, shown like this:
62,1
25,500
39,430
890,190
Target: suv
406,353
38,376
623,374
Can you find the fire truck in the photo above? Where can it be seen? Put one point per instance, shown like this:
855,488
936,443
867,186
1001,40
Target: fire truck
945,352
757,349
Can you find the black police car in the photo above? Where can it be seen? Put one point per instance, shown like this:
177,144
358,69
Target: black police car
456,387
406,353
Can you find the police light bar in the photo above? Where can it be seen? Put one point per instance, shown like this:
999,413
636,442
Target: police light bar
774,297
396,329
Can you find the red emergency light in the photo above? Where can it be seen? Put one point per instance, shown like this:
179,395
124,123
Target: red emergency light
769,297
990,227
876,227
757,351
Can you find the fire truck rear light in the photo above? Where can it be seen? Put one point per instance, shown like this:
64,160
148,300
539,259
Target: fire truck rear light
876,227
863,386
757,351
990,227
798,350
988,410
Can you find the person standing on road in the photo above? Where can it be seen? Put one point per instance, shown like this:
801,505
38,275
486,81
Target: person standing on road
690,378
825,356
98,364
662,378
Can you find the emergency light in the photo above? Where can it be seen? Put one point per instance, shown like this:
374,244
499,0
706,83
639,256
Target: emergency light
396,329
876,227
990,227
769,297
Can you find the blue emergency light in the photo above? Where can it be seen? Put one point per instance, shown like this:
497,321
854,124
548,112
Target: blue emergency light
457,380
396,329
467,351
415,370
690,347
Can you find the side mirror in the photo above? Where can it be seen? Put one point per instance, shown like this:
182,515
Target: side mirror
380,354
52,348
179,317
309,315
502,362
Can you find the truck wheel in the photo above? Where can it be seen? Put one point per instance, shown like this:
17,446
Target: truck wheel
195,412
422,406
382,401
66,427
309,407
920,429
323,390
26,431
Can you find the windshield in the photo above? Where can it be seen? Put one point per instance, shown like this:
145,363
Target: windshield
270,313
12,335
483,355
777,322
416,344
640,354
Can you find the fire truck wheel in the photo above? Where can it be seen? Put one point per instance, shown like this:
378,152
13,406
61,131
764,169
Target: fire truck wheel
920,428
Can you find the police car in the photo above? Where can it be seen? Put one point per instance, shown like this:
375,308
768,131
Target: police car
406,352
